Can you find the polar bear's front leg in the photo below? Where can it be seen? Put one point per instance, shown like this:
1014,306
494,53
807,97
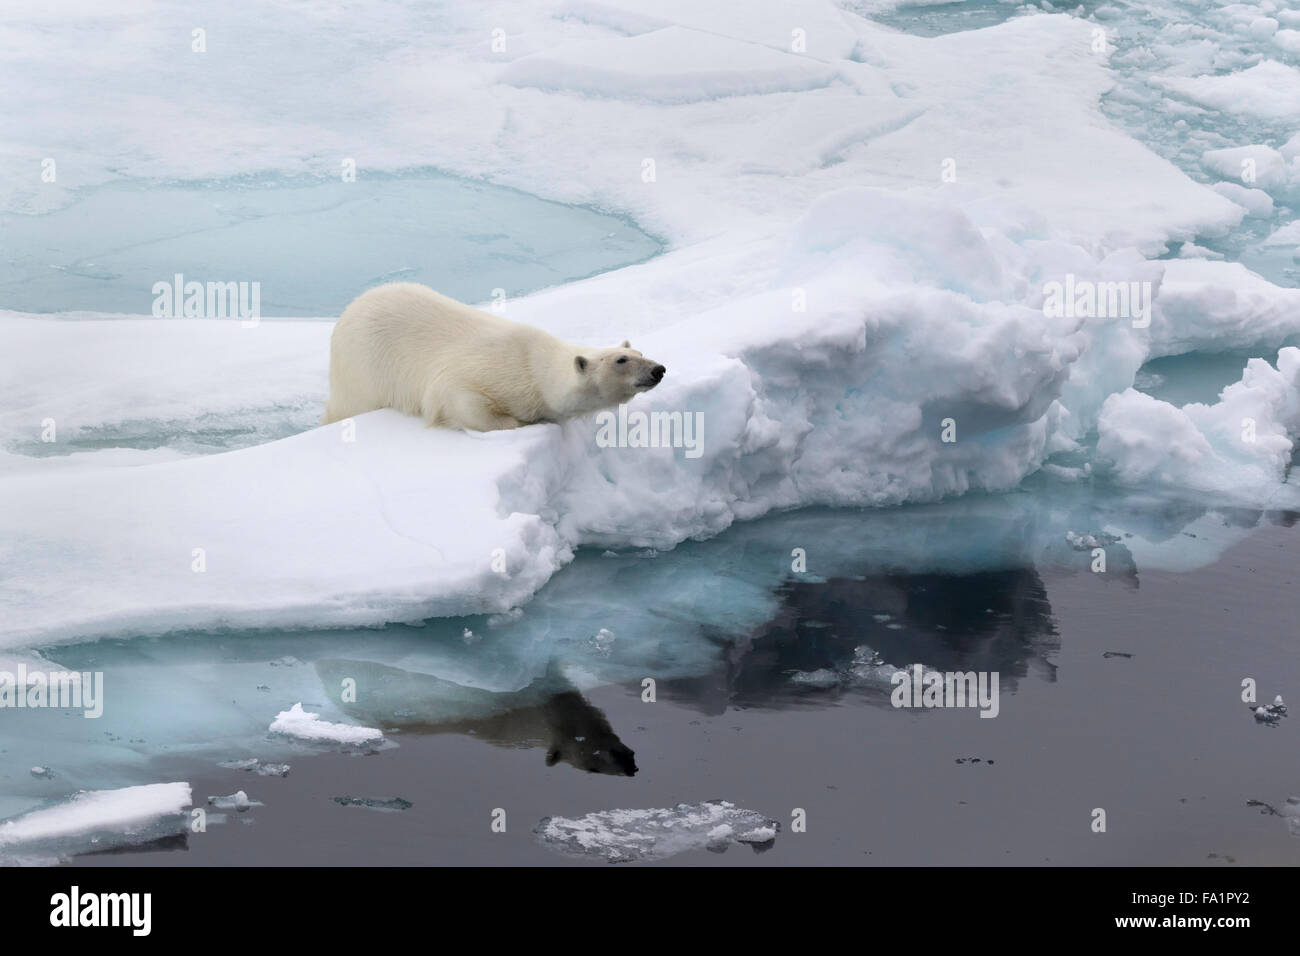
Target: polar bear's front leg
466,409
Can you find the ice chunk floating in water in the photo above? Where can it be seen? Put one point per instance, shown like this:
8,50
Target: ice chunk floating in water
387,804
100,819
623,836
297,723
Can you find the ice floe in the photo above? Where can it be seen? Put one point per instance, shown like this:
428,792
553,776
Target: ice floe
97,819
622,836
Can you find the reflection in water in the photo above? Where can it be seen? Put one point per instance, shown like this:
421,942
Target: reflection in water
953,586
716,623
173,841
991,621
549,712
988,621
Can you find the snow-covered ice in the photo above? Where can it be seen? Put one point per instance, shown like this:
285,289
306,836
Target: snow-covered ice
238,800
1242,443
299,724
99,818
1268,90
623,836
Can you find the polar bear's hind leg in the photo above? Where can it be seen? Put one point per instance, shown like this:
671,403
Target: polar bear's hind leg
467,409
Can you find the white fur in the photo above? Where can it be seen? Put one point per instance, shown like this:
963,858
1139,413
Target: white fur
407,347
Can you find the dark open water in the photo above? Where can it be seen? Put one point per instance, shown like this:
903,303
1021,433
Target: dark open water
1159,739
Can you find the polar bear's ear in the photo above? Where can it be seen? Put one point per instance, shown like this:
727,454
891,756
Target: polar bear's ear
626,344
580,363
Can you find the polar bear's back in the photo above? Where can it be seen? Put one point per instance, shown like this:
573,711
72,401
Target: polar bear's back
408,313
395,341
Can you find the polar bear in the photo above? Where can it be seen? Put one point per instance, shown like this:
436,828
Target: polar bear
407,347
550,712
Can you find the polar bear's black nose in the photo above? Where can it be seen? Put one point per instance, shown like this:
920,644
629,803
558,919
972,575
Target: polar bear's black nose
658,373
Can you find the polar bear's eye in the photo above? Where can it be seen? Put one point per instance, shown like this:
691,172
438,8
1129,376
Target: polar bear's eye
621,360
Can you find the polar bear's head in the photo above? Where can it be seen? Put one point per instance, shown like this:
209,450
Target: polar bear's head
612,376
581,736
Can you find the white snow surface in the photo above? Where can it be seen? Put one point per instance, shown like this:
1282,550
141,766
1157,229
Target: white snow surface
295,722
1245,439
828,302
130,810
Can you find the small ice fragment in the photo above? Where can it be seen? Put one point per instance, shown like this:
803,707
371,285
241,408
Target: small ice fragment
1291,811
718,838
296,722
255,765
758,835
235,801
1271,713
1265,716
45,773
869,667
620,836
248,764
375,803
821,678
1086,542
603,642
1080,542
